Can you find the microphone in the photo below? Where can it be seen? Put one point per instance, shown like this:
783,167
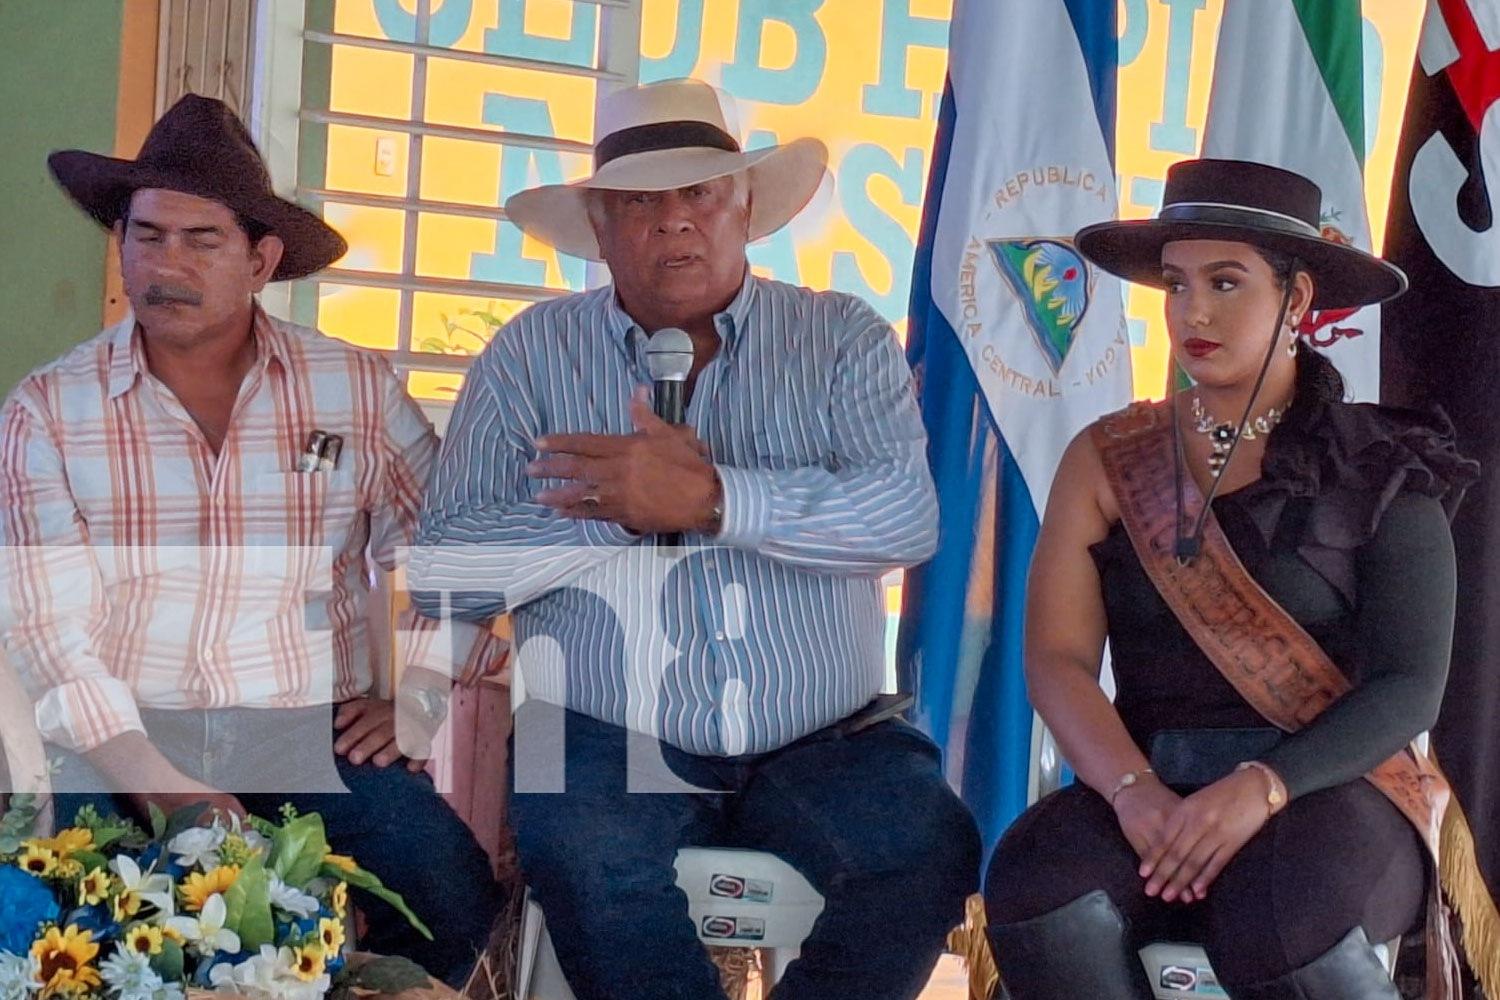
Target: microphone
669,358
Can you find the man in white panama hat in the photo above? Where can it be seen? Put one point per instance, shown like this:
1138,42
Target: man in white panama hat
750,658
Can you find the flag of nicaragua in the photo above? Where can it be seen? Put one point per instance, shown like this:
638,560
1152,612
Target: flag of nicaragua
1018,344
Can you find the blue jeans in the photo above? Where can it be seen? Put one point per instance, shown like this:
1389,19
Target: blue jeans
867,818
390,820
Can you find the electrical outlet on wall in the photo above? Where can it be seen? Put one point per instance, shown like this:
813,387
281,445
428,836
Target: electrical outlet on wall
385,156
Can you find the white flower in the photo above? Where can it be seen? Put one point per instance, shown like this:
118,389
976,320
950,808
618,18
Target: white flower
17,976
291,900
206,932
154,889
130,973
257,841
269,975
127,968
166,991
198,845
251,977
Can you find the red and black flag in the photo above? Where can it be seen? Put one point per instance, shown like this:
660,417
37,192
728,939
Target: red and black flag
1440,343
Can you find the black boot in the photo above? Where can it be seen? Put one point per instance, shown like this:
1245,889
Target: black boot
1078,950
1350,970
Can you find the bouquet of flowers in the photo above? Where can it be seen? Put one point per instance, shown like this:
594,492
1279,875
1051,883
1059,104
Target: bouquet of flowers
104,910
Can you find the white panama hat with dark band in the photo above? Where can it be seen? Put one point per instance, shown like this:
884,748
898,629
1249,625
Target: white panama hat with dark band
661,137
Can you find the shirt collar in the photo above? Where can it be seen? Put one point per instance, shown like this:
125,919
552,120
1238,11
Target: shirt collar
729,322
127,363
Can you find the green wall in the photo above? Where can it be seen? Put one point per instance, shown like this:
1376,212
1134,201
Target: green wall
59,73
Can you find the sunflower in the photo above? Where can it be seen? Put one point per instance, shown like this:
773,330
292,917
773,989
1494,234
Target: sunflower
64,958
93,887
340,861
331,933
197,888
309,962
68,869
143,939
172,934
66,842
38,860
340,899
127,905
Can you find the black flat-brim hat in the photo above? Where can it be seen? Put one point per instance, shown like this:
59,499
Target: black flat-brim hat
200,147
1243,202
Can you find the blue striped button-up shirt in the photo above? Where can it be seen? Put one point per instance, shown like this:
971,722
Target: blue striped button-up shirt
747,641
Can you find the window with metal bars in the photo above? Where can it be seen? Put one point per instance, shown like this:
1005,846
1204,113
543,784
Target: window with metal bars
414,122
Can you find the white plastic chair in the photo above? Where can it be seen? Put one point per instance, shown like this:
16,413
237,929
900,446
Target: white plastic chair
737,898
1176,970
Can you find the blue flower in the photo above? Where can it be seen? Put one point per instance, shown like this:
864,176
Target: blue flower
25,902
98,919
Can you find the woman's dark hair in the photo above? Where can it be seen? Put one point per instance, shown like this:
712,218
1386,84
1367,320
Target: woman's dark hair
1318,381
1281,265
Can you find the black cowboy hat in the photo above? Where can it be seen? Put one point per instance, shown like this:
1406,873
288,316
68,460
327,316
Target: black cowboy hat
200,147
1243,202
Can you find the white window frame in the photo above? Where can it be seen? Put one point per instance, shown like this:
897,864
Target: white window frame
276,116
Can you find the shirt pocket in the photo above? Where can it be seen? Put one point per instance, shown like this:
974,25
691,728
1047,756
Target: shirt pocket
309,509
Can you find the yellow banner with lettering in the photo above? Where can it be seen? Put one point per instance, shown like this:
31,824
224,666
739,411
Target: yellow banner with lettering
866,76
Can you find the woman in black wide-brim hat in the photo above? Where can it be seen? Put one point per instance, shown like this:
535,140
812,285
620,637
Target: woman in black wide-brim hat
1193,818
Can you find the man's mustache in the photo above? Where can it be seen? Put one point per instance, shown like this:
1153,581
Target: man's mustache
167,295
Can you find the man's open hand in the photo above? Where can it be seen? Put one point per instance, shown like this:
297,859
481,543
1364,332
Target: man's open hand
656,480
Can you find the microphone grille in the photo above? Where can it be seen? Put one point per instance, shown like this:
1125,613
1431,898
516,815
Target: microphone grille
669,355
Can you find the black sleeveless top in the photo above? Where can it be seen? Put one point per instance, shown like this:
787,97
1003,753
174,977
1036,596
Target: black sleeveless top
1347,529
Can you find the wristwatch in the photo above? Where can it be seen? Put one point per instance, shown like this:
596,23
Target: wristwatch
432,704
715,522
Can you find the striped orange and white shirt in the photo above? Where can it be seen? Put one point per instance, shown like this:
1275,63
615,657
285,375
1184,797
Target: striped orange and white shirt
143,570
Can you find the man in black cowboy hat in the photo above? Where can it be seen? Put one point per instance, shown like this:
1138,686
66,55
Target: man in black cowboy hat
748,671
188,502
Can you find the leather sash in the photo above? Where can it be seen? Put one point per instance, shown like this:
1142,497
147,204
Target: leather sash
1272,662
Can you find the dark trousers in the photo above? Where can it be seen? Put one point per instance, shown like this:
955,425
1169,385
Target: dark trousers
1330,861
391,821
867,818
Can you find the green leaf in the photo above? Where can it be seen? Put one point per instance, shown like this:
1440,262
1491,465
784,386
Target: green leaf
298,848
248,903
90,860
18,823
369,882
433,345
158,821
104,836
168,963
390,974
182,819
491,320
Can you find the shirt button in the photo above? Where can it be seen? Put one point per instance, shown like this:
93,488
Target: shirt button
219,500
719,635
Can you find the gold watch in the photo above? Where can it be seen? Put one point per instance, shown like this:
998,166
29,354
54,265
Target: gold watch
715,522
